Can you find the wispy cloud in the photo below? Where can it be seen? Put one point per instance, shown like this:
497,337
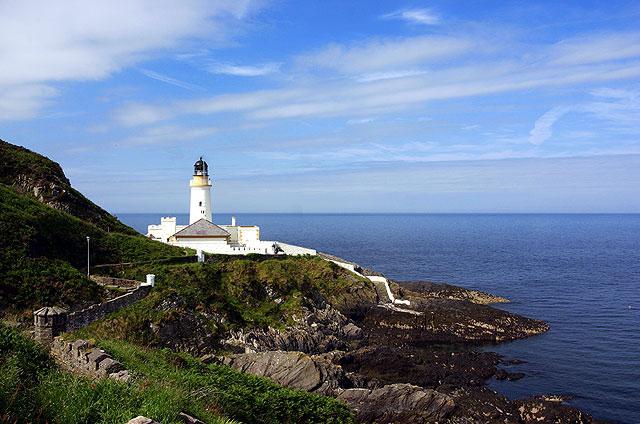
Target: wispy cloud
172,81
378,76
244,70
414,16
167,134
371,78
43,42
542,129
620,109
377,55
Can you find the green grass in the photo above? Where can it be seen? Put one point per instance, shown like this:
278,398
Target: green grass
219,388
34,390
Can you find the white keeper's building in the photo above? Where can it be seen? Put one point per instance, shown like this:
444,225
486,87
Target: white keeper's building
203,235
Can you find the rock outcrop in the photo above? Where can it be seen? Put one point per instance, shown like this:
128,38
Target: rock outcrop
398,403
320,374
446,321
550,409
182,329
322,329
293,369
448,291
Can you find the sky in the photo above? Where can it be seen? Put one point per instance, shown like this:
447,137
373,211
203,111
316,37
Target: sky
331,106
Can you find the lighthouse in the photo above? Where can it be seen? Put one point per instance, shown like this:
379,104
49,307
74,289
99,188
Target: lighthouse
200,203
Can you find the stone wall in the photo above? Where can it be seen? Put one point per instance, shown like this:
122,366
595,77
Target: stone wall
84,317
80,356
123,283
52,321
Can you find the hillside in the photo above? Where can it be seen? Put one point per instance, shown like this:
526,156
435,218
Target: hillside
42,262
44,223
30,173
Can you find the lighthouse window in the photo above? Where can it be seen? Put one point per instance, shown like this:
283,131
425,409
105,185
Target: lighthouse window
199,203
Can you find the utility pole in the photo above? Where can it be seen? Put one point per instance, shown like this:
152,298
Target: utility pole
88,256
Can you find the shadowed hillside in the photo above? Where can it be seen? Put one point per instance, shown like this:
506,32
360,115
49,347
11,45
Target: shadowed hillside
30,173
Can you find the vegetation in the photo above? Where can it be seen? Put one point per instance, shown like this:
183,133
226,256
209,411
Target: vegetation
44,223
34,390
42,250
247,292
29,173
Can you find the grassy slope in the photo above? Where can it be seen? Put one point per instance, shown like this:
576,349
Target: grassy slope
34,390
24,171
242,290
41,250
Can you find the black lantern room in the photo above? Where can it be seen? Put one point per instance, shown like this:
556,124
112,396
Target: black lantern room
201,168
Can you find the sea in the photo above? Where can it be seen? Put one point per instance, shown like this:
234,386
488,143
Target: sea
580,273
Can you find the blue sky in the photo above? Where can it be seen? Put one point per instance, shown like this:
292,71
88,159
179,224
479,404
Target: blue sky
331,106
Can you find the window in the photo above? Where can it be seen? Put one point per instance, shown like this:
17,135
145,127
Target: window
199,203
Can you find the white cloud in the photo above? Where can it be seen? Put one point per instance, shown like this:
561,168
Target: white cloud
620,109
414,16
168,134
543,128
20,101
596,48
377,81
386,54
244,70
377,76
42,42
172,81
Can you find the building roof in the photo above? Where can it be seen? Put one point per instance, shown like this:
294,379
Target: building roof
202,228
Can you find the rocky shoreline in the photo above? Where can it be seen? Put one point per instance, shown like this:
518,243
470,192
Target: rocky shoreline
414,364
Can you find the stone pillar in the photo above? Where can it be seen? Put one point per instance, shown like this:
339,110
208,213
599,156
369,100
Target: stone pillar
48,323
151,280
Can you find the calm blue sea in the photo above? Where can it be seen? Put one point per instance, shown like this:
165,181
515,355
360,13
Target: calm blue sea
580,273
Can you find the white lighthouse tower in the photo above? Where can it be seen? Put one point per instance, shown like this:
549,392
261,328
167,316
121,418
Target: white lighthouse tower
200,203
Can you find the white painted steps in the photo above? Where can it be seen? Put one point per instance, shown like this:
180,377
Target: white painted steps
376,279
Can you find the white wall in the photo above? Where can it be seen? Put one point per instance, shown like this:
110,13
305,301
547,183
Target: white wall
166,229
292,250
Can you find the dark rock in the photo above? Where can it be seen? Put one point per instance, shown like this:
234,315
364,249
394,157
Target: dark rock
181,328
448,291
479,405
514,361
426,367
398,403
188,419
445,321
293,369
545,409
